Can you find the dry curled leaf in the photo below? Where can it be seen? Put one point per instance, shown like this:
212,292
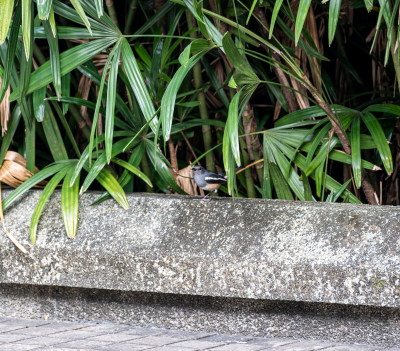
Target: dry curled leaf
4,110
13,171
184,178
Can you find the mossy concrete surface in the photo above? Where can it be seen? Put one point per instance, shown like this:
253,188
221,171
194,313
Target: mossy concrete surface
242,248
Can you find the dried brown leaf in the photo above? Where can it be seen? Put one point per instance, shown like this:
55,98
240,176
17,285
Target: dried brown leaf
184,178
5,110
13,171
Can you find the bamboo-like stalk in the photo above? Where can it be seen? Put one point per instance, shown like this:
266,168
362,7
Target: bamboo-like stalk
253,144
131,16
111,11
396,57
147,170
251,191
198,82
79,120
30,139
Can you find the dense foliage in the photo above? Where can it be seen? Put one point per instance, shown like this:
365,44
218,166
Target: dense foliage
127,96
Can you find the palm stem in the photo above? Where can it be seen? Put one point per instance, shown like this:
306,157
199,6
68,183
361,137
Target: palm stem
198,83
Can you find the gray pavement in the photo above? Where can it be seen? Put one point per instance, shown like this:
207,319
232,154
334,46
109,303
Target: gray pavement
50,335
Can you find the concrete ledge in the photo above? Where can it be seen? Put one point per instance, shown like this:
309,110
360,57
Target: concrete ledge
276,250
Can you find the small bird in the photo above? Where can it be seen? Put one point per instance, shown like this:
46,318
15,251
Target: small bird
208,180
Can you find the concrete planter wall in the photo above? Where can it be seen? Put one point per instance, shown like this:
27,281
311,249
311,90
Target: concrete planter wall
276,250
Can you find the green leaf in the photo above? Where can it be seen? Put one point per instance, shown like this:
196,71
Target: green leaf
253,5
169,98
134,160
98,104
70,59
279,151
70,203
109,183
111,92
43,7
54,57
230,143
215,81
32,181
85,154
317,140
300,18
280,184
341,156
39,103
53,135
6,11
267,183
138,86
277,7
321,155
307,188
369,4
335,194
334,9
26,25
236,58
155,18
384,108
159,163
52,22
47,191
99,7
231,137
11,128
65,88
133,170
12,45
380,140
356,151
78,7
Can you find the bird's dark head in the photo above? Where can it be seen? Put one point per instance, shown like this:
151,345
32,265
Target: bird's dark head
198,169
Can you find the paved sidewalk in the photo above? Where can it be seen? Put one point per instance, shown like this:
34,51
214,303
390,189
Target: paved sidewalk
23,334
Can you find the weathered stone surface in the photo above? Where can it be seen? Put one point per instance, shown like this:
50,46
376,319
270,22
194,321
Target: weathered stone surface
258,249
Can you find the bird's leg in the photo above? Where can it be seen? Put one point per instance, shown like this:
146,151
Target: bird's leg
209,194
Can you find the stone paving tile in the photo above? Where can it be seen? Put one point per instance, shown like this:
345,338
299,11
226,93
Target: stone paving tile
19,335
26,322
306,345
76,334
145,331
126,347
42,340
7,337
171,348
227,338
106,328
38,331
85,344
17,347
356,348
198,344
159,340
272,342
188,335
239,347
117,337
5,327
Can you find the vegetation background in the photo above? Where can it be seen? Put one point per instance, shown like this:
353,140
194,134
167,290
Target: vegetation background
126,95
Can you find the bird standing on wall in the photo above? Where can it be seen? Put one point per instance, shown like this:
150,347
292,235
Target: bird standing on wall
208,180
